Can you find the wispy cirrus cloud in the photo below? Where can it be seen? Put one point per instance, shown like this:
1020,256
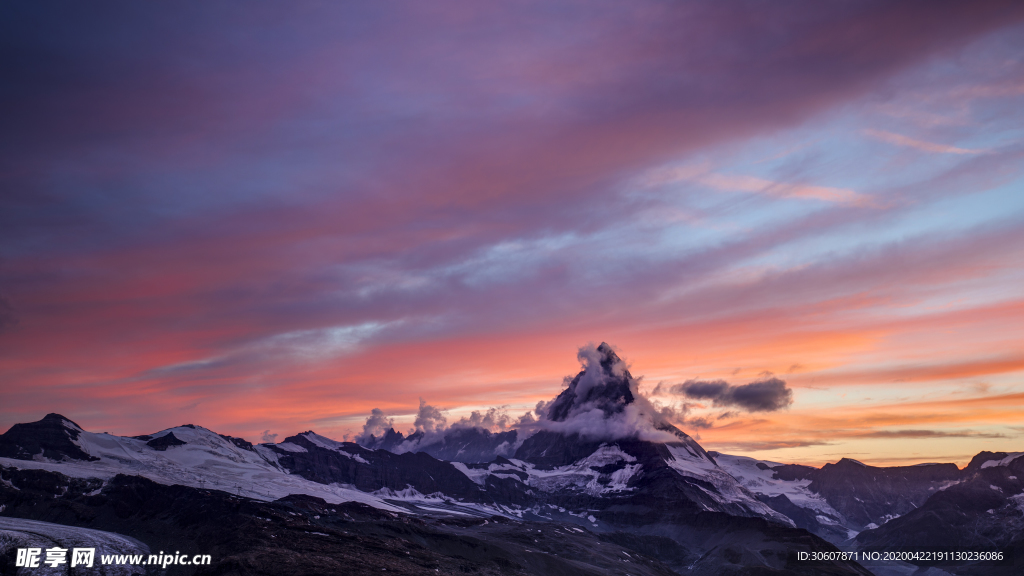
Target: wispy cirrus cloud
927,434
767,445
701,174
901,140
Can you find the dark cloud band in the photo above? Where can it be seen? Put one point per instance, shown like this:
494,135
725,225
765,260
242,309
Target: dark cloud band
766,395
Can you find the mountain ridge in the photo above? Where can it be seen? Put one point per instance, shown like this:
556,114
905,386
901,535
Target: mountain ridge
600,458
610,471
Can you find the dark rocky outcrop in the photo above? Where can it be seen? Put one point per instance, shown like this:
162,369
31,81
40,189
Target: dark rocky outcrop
460,444
609,390
389,441
793,472
805,518
164,442
53,437
456,444
549,450
370,470
240,442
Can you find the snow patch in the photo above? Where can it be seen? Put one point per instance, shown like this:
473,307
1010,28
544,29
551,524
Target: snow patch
268,454
71,425
737,479
1004,462
289,447
581,475
327,443
947,484
478,475
322,441
410,494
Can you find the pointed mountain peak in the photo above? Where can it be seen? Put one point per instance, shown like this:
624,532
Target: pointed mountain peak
54,437
851,462
603,383
608,356
54,418
979,460
601,404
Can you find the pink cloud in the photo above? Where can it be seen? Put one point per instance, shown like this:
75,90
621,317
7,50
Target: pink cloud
901,140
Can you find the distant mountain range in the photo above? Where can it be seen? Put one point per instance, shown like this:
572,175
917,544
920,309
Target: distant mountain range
599,486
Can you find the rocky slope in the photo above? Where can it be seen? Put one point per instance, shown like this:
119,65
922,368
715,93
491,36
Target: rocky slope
302,535
982,512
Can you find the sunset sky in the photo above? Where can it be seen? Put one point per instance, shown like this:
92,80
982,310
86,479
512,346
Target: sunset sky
279,216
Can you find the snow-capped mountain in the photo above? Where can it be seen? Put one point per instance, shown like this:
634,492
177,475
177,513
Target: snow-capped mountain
188,455
666,505
600,464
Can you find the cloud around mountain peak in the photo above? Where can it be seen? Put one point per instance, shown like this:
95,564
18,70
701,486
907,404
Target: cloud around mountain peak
602,402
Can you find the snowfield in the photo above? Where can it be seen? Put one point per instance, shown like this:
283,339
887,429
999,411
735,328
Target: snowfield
760,481
18,533
324,442
578,476
730,489
206,460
